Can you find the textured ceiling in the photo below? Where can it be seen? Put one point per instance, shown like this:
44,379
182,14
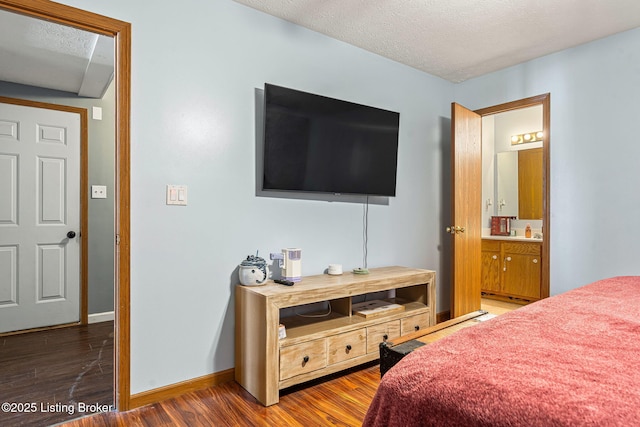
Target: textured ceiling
459,39
40,53
452,39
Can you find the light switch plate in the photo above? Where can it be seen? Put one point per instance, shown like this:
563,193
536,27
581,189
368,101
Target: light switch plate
177,195
98,191
96,113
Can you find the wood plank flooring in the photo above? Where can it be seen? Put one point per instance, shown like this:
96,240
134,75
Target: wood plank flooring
492,306
53,371
339,400
498,307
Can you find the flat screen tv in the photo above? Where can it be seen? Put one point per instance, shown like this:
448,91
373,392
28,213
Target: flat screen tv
313,143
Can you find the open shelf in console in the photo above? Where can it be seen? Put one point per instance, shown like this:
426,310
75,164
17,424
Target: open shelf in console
338,316
416,293
306,323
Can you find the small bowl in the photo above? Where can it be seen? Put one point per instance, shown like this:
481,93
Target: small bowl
334,269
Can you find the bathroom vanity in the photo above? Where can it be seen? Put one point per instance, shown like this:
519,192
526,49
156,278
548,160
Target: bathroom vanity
511,268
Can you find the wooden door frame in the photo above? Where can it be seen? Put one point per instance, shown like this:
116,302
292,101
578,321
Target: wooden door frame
121,33
545,101
84,200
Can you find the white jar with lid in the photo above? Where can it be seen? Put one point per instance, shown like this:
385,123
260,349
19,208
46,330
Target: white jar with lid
253,271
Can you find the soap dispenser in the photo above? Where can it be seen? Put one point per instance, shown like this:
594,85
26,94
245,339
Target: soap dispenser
527,231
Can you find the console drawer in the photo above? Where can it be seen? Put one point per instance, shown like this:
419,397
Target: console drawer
302,358
414,323
377,334
346,346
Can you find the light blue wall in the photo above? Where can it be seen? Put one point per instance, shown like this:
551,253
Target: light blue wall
197,70
595,152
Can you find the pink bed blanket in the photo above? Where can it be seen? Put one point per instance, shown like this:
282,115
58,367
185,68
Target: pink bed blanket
569,360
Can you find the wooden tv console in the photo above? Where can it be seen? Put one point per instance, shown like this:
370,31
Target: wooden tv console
318,346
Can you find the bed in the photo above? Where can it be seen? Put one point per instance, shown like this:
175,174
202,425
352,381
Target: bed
572,359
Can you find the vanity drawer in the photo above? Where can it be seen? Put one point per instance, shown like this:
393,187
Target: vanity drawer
521,248
491,245
414,323
380,333
302,358
346,346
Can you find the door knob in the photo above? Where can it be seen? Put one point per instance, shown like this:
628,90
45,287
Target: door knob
455,230
71,234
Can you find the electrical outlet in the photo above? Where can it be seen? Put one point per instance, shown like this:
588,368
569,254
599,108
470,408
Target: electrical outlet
98,191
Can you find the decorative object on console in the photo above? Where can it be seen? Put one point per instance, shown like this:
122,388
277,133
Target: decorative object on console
334,269
253,271
290,263
282,331
376,307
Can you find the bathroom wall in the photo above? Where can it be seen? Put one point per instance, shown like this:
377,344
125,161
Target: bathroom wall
594,90
497,131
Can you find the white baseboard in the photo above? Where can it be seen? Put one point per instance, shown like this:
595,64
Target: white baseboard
102,317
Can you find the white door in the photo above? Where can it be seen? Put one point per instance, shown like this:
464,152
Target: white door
39,214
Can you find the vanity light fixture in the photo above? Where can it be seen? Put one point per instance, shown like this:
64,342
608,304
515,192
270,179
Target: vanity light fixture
526,137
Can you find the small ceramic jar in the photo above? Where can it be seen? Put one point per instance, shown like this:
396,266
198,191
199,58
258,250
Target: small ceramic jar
253,271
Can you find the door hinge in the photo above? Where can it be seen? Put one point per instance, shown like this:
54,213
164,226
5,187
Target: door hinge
117,239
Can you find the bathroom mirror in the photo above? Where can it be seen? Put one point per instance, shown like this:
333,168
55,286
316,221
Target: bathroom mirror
512,183
507,183
518,184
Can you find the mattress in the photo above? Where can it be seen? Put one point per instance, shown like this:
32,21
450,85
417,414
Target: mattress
572,359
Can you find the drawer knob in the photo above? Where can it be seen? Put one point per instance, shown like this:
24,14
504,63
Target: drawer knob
417,327
348,347
535,261
494,257
385,337
305,360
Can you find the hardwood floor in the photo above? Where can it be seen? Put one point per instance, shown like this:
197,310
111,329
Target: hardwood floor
337,401
49,375
340,400
498,307
58,369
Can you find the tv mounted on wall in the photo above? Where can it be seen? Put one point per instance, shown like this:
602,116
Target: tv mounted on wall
314,143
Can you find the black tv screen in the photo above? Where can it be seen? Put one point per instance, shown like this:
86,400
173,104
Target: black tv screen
313,143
